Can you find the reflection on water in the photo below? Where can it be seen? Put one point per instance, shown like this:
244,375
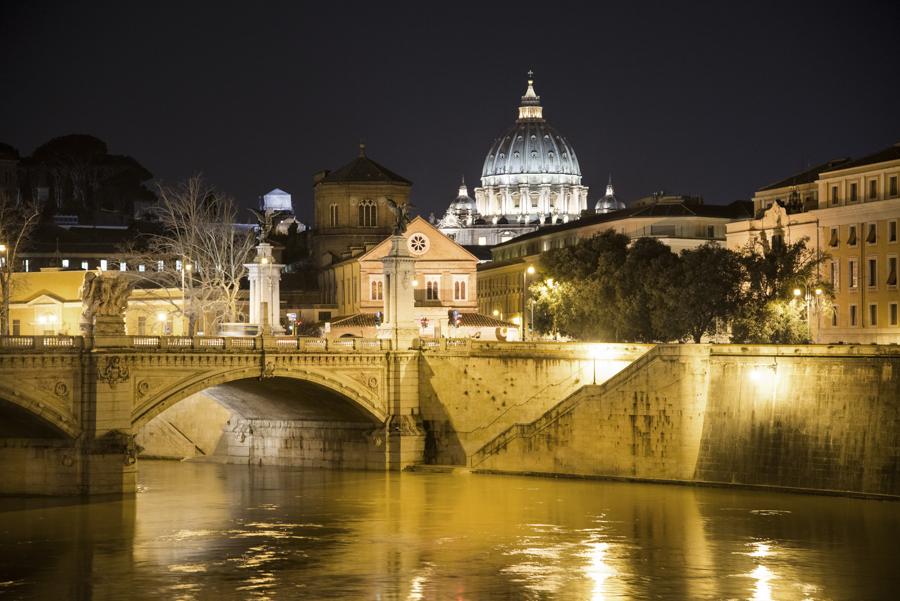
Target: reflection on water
199,531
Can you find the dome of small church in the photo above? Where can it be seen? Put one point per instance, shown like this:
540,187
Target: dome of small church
463,201
531,151
609,202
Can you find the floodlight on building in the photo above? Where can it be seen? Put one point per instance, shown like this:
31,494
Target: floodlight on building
818,292
797,292
530,270
2,248
415,283
495,312
161,316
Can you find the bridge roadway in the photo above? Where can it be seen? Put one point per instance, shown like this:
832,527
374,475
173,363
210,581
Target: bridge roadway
70,407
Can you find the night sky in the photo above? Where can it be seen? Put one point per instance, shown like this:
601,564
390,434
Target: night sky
715,99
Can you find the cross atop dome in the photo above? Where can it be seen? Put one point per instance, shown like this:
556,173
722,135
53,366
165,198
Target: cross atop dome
531,102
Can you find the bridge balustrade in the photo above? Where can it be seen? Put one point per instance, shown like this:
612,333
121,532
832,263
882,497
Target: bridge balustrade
36,343
189,343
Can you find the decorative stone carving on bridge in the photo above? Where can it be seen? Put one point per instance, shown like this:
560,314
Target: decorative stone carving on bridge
112,371
104,298
268,371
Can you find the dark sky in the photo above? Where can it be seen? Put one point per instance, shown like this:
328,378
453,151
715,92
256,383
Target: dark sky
714,99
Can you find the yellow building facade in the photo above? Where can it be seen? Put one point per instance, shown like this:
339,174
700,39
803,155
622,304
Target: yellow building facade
854,225
445,279
48,303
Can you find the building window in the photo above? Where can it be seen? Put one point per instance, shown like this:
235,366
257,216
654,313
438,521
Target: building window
834,195
141,268
177,264
160,265
324,315
892,314
835,275
376,288
872,275
104,265
65,263
873,189
892,272
853,316
27,265
834,240
852,274
84,265
853,192
834,316
17,327
892,231
142,325
368,213
711,231
872,235
432,287
334,215
873,314
459,287
851,237
123,266
892,185
482,240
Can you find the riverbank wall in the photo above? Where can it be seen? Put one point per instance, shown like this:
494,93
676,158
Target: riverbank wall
811,417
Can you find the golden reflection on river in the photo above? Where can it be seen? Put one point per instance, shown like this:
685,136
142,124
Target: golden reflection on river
202,531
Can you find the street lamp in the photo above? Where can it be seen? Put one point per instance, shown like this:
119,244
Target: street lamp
529,271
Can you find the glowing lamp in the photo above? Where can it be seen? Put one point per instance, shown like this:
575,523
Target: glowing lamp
797,292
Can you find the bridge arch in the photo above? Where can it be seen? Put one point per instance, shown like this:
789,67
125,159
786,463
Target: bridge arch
363,397
43,408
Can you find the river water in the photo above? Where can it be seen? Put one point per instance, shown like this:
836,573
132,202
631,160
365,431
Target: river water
204,531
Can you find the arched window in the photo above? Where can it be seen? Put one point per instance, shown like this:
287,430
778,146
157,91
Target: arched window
459,289
376,289
368,213
334,215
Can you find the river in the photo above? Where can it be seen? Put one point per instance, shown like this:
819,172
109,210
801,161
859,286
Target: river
206,531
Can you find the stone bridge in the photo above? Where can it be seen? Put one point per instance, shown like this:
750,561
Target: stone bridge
70,407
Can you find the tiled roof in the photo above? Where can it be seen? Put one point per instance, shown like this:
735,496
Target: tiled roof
358,320
363,169
477,320
891,153
808,176
738,209
471,320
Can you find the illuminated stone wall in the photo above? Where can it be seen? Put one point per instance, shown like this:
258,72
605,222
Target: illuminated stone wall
823,418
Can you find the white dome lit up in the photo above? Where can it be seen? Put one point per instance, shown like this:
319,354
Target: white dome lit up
531,173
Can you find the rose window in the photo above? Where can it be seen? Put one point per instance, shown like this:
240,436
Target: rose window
418,244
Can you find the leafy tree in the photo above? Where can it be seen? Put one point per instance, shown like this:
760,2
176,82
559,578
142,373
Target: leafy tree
708,290
772,270
584,303
643,288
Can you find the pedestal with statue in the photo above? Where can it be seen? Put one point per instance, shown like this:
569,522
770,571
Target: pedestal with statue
265,291
104,299
403,430
399,323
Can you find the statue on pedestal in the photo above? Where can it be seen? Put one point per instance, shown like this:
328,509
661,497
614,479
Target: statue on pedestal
104,299
401,216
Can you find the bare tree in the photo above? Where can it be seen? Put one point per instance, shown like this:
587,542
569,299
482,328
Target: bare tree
201,251
17,223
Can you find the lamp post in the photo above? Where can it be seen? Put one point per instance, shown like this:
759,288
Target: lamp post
185,297
807,299
529,271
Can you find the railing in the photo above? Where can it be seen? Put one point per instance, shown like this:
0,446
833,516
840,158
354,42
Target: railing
195,343
37,343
